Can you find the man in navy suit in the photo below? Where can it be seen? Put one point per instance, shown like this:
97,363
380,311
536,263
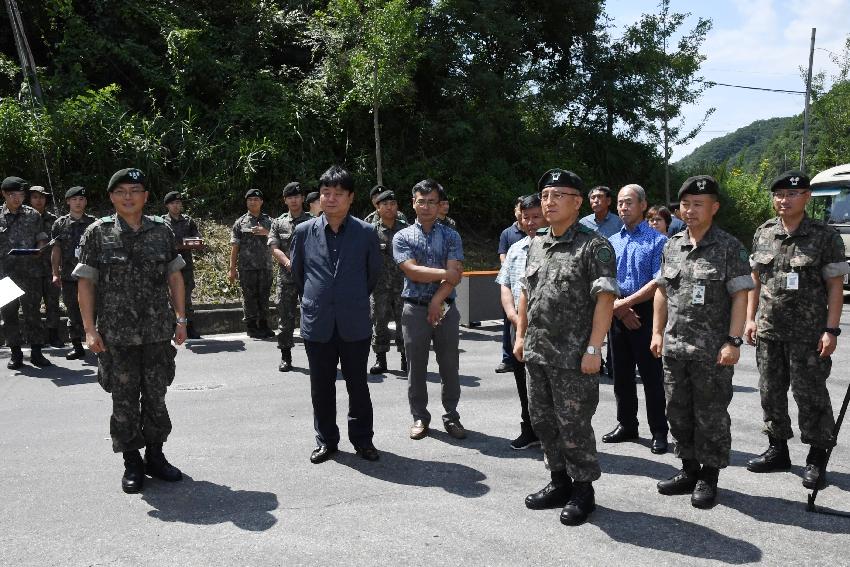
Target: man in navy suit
336,261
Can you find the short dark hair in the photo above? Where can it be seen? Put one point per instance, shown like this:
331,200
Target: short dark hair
529,202
428,186
662,212
602,188
519,200
337,176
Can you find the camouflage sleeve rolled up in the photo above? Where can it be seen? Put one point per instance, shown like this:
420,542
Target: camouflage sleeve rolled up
89,265
738,272
235,231
274,233
835,262
602,267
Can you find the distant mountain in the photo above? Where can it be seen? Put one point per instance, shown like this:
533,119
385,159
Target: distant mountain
745,146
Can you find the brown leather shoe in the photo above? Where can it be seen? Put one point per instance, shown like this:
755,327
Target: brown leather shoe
455,429
419,429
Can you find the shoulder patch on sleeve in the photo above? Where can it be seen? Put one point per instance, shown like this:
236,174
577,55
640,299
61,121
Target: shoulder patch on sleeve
603,254
742,254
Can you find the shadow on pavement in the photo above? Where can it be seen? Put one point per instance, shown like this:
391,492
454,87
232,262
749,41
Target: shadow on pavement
205,503
489,445
208,346
673,536
635,466
59,375
781,511
451,477
465,379
743,389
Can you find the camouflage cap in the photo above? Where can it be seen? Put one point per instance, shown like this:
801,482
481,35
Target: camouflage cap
292,189
126,175
560,178
790,180
254,193
171,196
14,184
699,185
75,192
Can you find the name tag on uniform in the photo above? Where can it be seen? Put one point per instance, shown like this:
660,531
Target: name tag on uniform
698,295
792,280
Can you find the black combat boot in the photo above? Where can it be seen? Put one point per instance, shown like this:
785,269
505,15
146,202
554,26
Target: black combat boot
54,339
134,473
17,358
156,465
581,504
705,491
683,482
380,363
37,358
253,330
191,333
815,474
776,458
403,363
553,495
78,351
285,360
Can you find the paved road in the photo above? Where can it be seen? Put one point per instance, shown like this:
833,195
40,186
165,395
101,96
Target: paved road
243,434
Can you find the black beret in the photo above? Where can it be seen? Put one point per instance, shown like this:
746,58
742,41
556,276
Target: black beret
40,189
254,193
14,184
312,196
75,192
790,180
291,189
560,178
171,196
385,196
699,185
375,190
127,175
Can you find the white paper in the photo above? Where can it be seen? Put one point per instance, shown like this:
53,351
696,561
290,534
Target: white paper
9,291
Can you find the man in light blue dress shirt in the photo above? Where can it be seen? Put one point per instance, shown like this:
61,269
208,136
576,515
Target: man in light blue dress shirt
602,220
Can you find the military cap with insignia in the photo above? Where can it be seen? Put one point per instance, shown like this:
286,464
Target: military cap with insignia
790,180
375,190
699,185
126,175
385,196
39,189
171,196
75,192
292,189
14,184
560,178
312,196
254,193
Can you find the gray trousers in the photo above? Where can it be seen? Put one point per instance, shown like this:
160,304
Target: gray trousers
418,334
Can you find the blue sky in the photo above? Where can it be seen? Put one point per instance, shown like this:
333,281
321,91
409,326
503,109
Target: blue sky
760,43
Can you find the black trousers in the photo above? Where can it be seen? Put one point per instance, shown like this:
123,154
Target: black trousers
522,390
629,348
352,358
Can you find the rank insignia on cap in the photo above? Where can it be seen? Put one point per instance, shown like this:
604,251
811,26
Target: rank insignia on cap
556,175
134,174
701,184
794,181
790,180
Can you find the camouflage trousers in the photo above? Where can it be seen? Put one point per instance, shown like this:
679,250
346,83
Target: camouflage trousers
137,377
782,364
72,306
698,396
256,285
386,307
50,294
286,300
561,403
29,303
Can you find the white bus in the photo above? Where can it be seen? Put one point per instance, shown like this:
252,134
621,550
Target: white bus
831,203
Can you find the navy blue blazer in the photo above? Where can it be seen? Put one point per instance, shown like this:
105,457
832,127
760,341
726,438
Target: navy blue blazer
335,295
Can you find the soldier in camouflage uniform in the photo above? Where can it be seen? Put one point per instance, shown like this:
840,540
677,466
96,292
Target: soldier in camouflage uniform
286,294
49,292
22,227
372,217
793,316
251,254
443,211
564,312
702,300
67,232
129,269
183,227
386,304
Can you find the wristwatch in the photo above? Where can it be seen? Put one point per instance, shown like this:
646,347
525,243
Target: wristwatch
593,350
832,331
182,320
735,341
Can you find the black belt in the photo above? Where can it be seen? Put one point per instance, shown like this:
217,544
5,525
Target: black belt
424,302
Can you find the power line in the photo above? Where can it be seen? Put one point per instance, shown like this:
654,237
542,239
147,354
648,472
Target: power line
716,84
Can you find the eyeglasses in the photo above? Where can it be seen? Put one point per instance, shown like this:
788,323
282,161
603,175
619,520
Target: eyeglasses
779,195
557,195
426,203
124,193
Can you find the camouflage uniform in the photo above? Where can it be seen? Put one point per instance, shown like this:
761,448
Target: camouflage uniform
448,221
66,234
255,268
386,304
185,227
790,323
373,217
563,276
22,230
130,271
49,292
286,294
700,282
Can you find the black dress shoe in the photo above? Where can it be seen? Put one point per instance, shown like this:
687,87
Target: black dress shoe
321,454
368,453
620,434
659,444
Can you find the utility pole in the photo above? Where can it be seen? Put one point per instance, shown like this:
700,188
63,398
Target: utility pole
23,48
377,124
806,109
